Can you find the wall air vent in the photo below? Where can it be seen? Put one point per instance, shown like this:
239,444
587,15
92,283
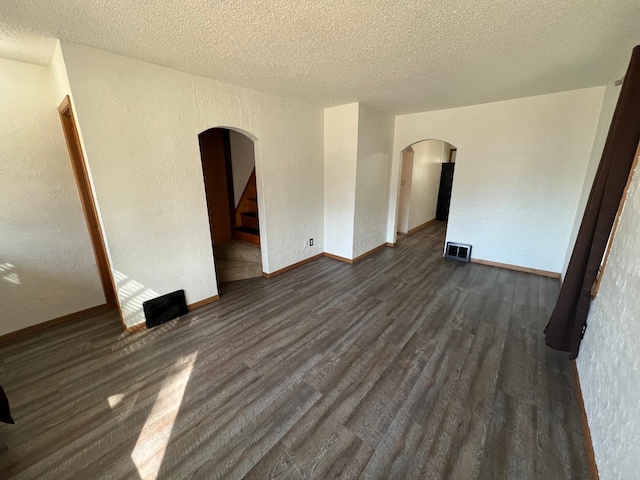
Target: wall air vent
458,251
162,309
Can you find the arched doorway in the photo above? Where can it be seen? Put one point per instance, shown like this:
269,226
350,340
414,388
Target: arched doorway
426,181
228,167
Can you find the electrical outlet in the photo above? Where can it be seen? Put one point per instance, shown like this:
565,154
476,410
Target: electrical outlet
311,242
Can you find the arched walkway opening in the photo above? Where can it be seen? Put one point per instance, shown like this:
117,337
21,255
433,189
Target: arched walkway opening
426,181
229,173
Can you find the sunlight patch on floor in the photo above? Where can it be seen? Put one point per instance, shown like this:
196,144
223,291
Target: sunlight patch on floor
154,437
115,400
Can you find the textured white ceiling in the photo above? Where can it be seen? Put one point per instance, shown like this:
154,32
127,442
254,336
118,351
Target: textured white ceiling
401,56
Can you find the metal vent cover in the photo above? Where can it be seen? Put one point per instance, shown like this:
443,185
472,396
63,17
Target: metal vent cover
162,309
458,251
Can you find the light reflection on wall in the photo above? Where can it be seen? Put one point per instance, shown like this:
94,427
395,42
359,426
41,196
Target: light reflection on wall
9,275
131,295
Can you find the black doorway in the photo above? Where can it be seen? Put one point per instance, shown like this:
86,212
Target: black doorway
444,193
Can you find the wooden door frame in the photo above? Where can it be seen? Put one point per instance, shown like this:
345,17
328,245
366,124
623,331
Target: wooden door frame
81,175
223,161
226,135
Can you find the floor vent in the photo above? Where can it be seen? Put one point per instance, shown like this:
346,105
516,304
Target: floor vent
458,251
162,309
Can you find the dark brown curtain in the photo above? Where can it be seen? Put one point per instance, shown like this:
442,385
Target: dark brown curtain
569,319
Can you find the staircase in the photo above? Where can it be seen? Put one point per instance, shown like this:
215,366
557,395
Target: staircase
236,260
247,228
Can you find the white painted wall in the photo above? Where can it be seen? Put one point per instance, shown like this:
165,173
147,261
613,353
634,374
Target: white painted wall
519,172
59,78
375,143
242,162
47,267
140,124
357,145
340,162
609,357
609,101
428,157
404,197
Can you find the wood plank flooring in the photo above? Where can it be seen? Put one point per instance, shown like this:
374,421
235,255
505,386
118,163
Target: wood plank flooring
404,365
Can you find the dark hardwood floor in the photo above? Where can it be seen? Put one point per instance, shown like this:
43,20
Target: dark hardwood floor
404,365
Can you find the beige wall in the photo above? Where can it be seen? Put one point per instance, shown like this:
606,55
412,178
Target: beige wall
428,158
520,168
140,124
375,142
47,267
404,200
340,161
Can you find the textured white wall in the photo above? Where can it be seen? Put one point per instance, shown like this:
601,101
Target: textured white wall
340,161
404,197
375,143
428,157
609,101
609,360
59,78
357,147
47,267
519,172
140,124
242,162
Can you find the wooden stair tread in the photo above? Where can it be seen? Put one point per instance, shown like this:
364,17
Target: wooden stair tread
249,230
247,234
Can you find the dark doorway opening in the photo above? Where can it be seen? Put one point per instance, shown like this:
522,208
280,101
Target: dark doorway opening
228,167
426,182
446,185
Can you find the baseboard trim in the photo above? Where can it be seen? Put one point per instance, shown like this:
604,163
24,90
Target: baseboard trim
586,431
517,268
203,302
339,258
7,337
366,254
389,244
359,257
135,328
420,227
291,267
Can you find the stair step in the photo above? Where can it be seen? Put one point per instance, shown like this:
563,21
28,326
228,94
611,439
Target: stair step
250,220
252,231
232,270
246,234
240,251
